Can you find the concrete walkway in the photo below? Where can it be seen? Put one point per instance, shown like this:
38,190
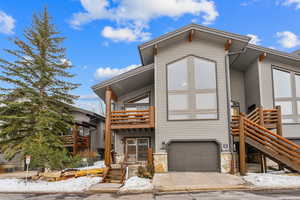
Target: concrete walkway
191,181
105,188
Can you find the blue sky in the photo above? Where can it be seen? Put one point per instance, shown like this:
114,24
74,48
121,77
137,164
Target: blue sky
102,35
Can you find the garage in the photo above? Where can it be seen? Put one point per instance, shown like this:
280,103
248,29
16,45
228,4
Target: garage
194,156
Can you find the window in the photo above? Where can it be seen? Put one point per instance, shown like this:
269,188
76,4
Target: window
138,103
192,89
286,86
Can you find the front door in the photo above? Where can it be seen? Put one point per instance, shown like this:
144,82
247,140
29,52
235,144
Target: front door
136,149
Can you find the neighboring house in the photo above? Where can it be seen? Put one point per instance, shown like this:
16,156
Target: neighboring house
179,101
87,135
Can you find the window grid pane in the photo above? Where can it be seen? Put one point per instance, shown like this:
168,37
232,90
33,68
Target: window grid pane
192,95
297,80
282,84
286,93
177,75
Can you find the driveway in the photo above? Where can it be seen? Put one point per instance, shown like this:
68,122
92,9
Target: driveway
225,195
189,181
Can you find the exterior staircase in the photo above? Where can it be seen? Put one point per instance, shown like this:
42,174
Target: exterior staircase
257,130
114,174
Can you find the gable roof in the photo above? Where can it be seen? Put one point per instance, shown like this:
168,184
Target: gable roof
139,77
146,49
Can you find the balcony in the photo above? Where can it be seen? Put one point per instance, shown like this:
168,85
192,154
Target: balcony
75,141
132,119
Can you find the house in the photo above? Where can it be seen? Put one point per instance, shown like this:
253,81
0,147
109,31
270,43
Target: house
181,100
86,136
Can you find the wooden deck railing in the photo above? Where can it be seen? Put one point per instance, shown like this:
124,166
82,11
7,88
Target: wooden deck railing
125,119
278,145
76,142
269,118
255,129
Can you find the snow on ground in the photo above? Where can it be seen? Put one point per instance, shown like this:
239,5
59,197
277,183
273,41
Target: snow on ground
98,164
69,185
137,184
273,179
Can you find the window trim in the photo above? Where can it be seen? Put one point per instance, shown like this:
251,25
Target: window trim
216,90
292,99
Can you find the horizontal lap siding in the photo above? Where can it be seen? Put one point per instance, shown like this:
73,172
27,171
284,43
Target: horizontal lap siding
199,129
266,87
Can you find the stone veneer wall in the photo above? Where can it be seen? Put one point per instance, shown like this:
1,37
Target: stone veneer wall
161,162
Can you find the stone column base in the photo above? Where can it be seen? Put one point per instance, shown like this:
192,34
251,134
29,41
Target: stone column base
160,162
229,162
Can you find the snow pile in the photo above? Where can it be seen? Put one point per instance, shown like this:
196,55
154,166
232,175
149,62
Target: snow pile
97,165
69,185
273,180
136,184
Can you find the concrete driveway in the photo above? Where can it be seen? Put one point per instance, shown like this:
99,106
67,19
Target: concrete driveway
190,181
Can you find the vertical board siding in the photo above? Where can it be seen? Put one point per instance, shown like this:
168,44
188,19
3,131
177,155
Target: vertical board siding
237,87
252,85
266,83
197,129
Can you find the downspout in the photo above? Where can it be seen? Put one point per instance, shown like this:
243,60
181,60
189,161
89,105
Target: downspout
228,93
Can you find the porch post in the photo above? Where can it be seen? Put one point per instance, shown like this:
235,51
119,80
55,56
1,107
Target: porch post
75,138
242,147
279,121
107,144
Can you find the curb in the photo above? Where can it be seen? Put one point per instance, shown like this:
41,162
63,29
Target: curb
245,188
169,191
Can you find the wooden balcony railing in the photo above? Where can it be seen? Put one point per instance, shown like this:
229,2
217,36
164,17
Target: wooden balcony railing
270,119
126,119
76,142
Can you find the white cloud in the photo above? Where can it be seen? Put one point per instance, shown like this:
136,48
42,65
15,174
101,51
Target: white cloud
254,39
135,15
292,2
7,23
124,34
108,72
288,39
66,61
249,2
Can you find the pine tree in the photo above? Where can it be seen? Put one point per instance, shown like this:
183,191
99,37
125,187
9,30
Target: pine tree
34,109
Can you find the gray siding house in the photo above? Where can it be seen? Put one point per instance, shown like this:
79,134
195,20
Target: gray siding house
190,78
89,137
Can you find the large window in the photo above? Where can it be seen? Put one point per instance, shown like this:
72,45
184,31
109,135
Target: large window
286,86
192,89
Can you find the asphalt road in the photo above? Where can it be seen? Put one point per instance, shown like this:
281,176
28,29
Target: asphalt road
226,195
